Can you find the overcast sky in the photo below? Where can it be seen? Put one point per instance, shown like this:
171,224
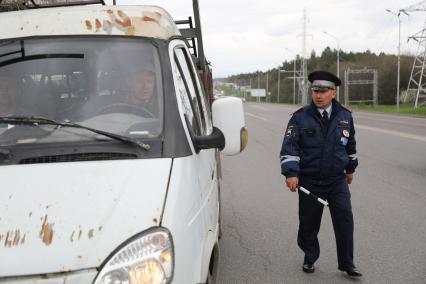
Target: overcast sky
242,36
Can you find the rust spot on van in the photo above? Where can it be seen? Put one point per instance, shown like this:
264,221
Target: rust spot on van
98,24
88,24
12,238
90,233
124,22
155,220
149,19
100,228
22,28
148,24
46,232
16,238
6,240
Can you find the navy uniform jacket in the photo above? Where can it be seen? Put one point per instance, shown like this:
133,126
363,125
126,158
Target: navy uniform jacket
316,153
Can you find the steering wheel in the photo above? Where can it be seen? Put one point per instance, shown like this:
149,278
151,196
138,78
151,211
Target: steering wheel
126,108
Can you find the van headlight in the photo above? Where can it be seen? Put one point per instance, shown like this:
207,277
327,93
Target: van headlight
148,258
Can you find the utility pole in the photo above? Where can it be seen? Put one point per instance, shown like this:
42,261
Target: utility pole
294,74
279,79
399,53
258,80
278,93
304,84
294,81
267,85
258,86
338,61
399,61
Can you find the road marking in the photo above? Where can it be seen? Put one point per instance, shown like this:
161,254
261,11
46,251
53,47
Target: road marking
391,132
255,116
258,107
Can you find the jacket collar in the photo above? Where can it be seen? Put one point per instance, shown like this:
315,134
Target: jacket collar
336,107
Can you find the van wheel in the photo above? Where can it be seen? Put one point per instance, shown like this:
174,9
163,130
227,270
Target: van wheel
213,274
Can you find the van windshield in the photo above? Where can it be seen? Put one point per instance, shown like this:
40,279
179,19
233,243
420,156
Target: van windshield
112,84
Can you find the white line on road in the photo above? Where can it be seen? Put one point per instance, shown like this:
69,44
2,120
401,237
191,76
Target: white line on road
258,107
255,116
391,132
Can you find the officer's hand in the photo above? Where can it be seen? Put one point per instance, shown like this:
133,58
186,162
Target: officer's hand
292,183
349,178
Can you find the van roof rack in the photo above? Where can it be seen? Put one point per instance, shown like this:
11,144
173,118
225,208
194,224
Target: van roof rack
193,35
34,4
191,31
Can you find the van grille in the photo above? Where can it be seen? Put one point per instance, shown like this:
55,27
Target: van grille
78,158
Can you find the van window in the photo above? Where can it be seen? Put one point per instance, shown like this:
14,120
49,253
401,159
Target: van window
189,93
108,83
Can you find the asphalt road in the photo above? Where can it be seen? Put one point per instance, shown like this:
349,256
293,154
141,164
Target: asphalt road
259,214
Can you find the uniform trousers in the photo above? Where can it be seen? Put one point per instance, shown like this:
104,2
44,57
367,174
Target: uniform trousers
310,212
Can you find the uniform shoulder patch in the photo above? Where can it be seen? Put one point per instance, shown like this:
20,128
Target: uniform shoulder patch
297,110
345,107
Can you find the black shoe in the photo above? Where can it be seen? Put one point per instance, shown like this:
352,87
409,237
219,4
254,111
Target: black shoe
308,267
353,272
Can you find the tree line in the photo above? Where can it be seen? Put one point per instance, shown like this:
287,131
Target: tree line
385,64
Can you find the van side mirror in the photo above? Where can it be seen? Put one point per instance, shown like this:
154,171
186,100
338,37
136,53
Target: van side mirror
228,116
214,140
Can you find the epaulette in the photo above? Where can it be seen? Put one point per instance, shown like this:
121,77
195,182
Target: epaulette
297,110
345,107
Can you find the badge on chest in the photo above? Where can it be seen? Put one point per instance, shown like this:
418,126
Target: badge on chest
344,137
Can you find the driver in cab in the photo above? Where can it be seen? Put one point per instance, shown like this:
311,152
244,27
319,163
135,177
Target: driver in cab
141,90
135,94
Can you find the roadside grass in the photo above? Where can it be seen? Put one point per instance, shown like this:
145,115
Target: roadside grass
403,109
406,109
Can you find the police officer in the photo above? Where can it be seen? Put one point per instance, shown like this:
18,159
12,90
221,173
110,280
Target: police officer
319,153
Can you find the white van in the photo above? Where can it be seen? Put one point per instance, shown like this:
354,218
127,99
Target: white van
98,186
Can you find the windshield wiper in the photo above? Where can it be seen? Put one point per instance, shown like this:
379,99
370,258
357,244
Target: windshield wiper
38,120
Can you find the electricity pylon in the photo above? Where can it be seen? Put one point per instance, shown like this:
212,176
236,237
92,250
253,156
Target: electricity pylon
417,82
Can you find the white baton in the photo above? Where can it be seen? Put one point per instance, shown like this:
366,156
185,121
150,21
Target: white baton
320,200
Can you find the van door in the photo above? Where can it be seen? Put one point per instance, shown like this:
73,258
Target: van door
194,224
198,121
